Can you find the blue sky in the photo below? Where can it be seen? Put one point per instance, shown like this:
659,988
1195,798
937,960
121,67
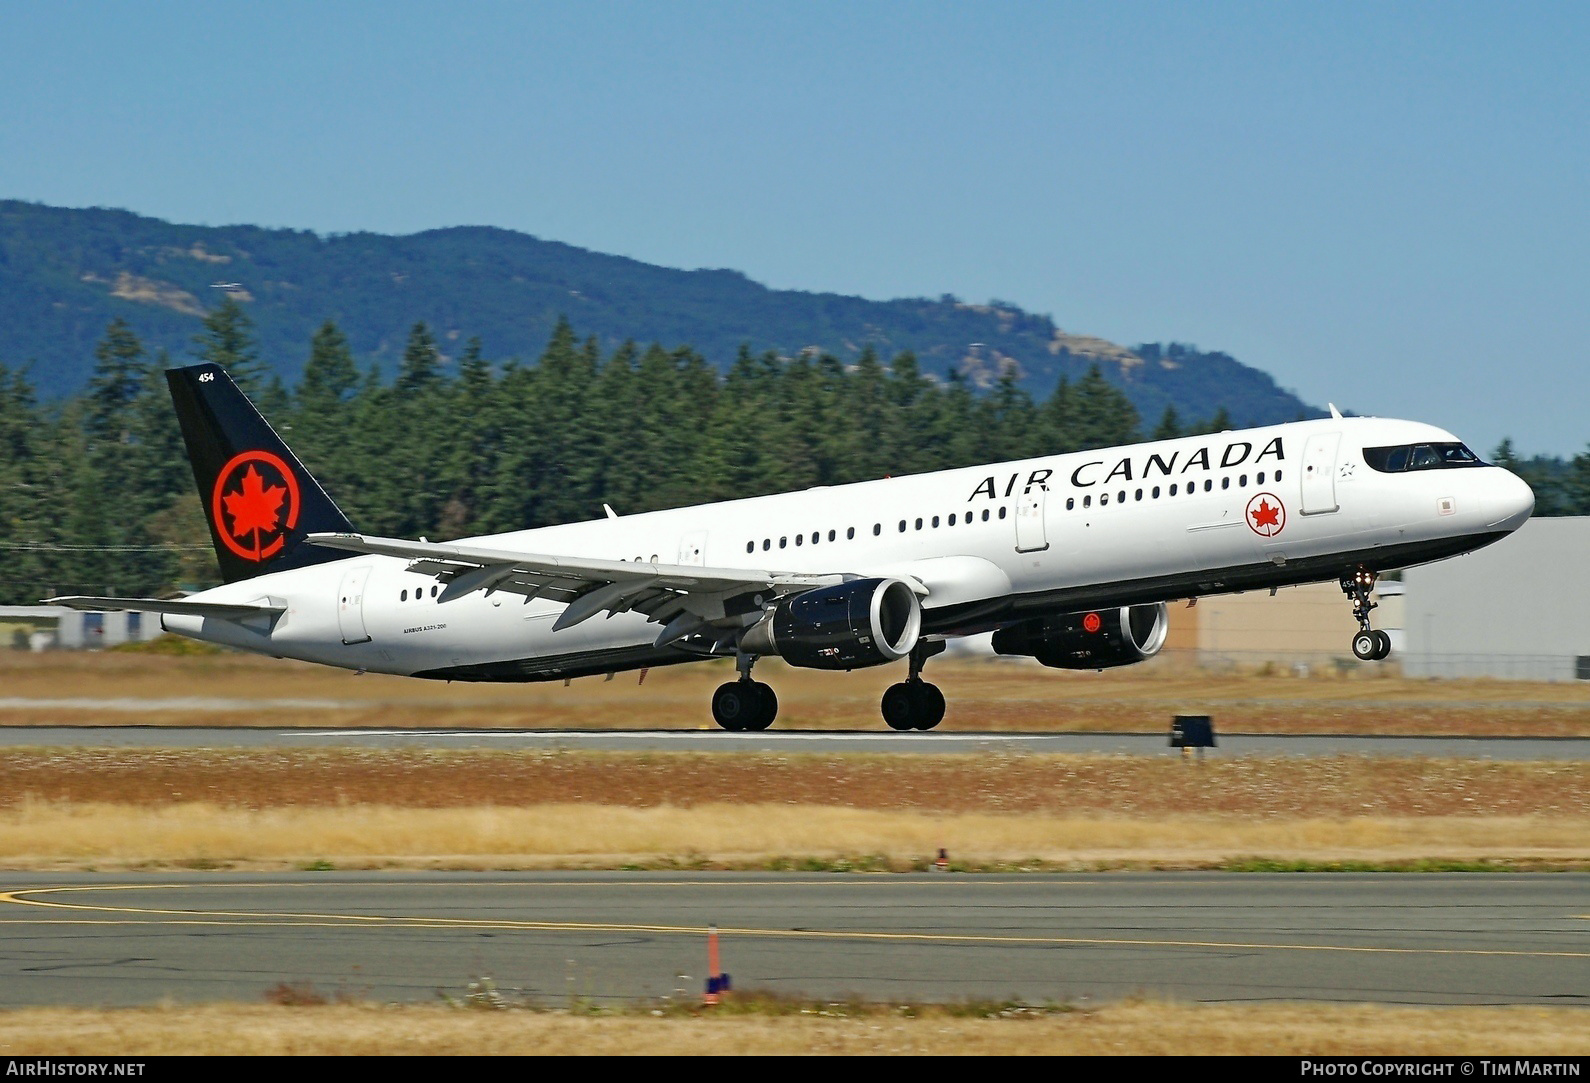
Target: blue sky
1383,205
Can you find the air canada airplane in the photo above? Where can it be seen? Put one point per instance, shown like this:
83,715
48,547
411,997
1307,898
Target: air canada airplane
1069,559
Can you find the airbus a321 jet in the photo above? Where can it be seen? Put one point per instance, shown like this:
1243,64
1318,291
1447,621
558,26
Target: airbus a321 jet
1069,559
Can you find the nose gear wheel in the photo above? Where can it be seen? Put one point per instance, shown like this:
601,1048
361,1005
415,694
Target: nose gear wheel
1370,644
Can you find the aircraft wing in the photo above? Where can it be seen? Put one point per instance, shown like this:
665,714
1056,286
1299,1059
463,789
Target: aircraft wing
685,599
176,606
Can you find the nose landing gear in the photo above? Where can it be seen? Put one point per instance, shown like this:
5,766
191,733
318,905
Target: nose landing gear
1369,644
913,704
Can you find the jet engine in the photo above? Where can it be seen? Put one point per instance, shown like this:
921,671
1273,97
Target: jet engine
850,626
1093,639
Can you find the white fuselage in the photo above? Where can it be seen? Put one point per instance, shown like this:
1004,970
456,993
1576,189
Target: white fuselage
1148,522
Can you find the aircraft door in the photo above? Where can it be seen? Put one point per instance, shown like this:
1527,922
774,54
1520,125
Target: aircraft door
350,605
1319,473
1031,535
693,549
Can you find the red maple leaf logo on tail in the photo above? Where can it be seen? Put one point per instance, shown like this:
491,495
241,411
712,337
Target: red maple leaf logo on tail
257,494
256,507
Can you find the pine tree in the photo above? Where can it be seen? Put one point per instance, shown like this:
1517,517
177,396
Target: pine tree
1105,416
117,380
1169,427
322,414
24,501
420,370
1576,486
228,340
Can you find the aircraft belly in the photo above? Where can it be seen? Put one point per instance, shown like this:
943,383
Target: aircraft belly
479,630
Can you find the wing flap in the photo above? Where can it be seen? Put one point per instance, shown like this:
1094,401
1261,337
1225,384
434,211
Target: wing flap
589,586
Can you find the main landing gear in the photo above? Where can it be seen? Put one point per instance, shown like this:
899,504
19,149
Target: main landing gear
1369,644
744,704
913,704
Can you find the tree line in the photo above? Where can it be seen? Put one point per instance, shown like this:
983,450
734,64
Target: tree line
96,495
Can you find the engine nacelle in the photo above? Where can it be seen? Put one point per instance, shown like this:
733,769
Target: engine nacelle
850,626
1094,639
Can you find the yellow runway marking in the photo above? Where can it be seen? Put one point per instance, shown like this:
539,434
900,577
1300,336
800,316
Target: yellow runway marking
274,920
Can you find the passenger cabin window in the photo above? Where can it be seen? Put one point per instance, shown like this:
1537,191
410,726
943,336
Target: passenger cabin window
1395,460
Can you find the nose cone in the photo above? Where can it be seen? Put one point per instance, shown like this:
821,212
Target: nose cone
1512,501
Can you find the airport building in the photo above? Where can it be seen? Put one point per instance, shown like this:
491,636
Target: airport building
45,627
1519,609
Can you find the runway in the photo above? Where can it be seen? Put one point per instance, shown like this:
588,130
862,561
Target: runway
1423,939
789,741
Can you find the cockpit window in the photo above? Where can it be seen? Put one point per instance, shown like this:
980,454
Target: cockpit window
1394,460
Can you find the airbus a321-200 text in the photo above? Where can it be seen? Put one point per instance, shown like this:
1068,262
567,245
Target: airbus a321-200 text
1070,559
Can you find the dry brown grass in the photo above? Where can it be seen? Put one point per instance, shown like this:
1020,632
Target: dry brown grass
983,695
99,836
1129,786
76,808
1131,1028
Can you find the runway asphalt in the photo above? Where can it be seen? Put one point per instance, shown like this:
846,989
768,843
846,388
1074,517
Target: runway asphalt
559,938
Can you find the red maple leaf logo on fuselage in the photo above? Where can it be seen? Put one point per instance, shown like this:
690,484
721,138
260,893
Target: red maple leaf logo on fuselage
1266,515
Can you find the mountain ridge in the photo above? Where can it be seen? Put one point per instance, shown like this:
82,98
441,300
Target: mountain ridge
65,273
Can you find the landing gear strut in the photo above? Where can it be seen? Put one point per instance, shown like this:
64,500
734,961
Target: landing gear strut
913,704
744,704
1369,644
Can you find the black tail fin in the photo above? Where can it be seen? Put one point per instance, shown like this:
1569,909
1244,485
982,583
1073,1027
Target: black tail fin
258,497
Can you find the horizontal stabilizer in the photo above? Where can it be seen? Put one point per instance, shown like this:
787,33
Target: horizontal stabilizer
174,606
